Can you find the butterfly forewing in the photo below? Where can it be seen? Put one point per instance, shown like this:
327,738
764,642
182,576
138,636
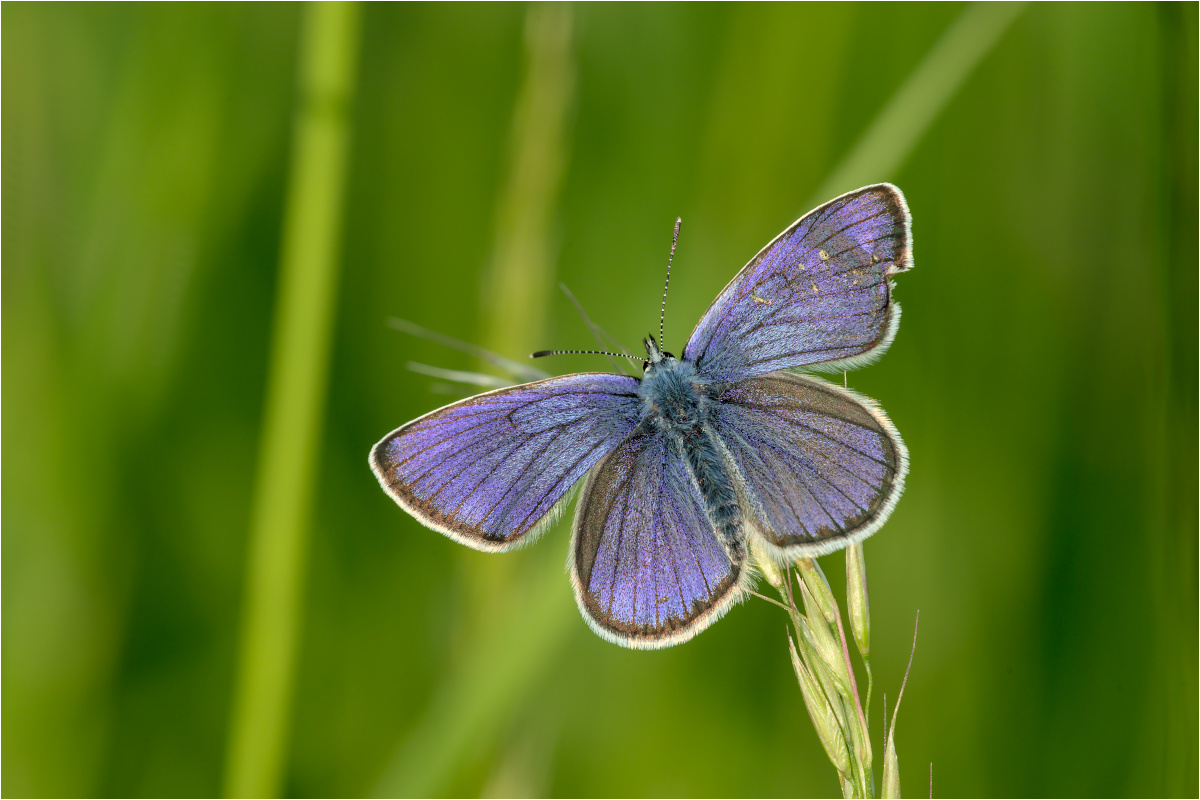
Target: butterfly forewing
647,567
487,470
819,466
818,294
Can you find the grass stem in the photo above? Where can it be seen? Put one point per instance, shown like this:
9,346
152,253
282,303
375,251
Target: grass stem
295,403
891,137
508,651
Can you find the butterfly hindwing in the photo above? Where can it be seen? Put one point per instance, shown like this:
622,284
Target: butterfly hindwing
819,293
819,465
488,470
646,564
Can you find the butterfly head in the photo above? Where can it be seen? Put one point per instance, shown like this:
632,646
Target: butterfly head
655,353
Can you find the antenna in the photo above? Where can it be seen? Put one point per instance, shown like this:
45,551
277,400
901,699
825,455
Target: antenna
596,330
542,353
662,316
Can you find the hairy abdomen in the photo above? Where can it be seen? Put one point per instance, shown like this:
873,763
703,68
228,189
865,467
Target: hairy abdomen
716,487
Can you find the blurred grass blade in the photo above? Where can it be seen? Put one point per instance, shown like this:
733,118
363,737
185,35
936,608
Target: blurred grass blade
516,288
525,372
599,334
479,695
507,650
458,376
295,402
891,137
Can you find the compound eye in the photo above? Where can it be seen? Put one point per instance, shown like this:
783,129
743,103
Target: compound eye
668,355
645,366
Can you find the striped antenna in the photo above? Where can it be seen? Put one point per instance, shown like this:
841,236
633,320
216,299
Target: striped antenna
543,353
663,315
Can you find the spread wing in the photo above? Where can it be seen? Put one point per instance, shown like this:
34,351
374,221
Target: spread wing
646,565
489,470
819,294
820,466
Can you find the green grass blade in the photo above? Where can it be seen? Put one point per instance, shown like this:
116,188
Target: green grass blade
295,402
897,129
510,649
502,667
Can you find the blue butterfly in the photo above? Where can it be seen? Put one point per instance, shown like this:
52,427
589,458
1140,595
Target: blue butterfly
712,459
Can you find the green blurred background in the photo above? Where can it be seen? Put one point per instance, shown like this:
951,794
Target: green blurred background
1044,378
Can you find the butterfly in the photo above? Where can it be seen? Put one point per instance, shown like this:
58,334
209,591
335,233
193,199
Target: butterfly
723,455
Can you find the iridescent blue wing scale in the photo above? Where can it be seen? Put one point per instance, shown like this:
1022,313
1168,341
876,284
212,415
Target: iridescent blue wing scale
491,470
819,295
646,565
819,466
